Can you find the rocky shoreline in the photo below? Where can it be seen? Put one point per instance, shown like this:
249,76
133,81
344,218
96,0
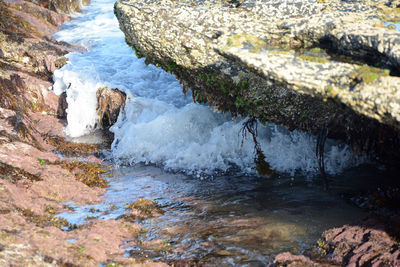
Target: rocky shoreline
40,169
318,66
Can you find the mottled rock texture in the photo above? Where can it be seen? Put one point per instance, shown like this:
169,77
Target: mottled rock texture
304,64
365,244
287,259
61,6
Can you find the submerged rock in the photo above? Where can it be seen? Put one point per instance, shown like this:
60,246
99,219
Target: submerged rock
309,65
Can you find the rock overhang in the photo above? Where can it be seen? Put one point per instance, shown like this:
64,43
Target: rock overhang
306,65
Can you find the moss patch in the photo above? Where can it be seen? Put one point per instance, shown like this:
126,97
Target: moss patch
315,54
60,62
389,14
368,74
280,52
138,53
254,43
316,59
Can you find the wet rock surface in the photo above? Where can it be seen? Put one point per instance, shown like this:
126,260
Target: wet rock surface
62,106
308,65
109,103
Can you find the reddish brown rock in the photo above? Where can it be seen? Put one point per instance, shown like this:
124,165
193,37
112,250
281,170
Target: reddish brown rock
61,6
103,239
365,244
34,181
48,125
47,15
287,259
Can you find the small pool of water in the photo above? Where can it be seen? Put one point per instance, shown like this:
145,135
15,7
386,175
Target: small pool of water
240,221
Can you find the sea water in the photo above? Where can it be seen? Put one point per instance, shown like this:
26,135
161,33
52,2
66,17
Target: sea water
226,221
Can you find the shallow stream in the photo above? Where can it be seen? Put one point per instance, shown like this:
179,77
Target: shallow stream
228,220
198,164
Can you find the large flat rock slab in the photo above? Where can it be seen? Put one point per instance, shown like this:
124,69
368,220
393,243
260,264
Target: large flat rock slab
307,64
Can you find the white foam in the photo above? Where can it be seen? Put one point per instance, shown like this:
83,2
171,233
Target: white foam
191,138
160,125
109,62
196,139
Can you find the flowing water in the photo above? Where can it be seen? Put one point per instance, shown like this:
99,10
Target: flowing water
225,221
198,164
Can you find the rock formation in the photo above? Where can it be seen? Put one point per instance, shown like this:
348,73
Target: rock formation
61,6
309,65
361,245
364,244
34,180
